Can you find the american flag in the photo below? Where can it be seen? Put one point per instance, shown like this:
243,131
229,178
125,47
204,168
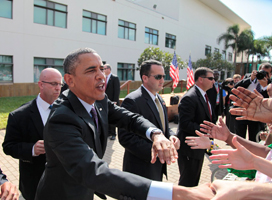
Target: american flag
174,71
190,75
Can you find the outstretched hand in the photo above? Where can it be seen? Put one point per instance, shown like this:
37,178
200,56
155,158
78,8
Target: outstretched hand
219,131
239,158
9,191
253,106
201,142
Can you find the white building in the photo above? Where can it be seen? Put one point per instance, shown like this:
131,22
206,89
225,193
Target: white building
37,33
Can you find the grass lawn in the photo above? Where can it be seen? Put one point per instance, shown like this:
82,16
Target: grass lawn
8,104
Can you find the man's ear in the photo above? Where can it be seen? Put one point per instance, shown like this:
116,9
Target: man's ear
144,78
69,80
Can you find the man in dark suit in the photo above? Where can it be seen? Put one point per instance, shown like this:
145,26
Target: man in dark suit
8,191
24,133
217,96
113,92
260,84
194,107
75,139
144,101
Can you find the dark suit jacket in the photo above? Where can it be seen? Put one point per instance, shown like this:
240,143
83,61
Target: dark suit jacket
246,82
24,129
113,88
192,111
137,149
74,169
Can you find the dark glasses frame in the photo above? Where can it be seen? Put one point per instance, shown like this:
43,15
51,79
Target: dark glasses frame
158,76
210,78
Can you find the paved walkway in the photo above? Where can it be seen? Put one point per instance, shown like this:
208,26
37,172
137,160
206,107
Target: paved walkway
114,157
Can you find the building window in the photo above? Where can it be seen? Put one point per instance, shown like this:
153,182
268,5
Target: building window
208,50
126,30
94,22
223,55
125,71
151,36
49,13
230,57
222,75
6,69
216,50
170,41
42,63
6,8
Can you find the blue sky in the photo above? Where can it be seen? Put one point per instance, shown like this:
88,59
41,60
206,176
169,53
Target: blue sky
257,13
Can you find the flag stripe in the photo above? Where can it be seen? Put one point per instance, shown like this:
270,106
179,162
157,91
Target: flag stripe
190,75
174,71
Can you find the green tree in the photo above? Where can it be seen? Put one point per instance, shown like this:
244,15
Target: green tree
164,57
236,40
213,61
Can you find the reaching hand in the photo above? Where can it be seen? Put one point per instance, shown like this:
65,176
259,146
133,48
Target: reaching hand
254,107
201,142
239,158
226,190
219,131
163,148
9,191
201,192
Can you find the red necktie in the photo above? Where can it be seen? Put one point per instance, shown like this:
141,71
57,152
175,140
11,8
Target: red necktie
207,101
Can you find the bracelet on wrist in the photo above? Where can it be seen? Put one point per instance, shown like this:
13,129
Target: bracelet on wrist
213,147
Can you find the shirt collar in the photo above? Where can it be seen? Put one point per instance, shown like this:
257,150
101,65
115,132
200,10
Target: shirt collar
150,94
201,91
42,104
87,106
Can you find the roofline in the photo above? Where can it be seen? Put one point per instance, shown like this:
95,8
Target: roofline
226,12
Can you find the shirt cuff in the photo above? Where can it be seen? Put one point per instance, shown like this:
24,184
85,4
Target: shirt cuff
148,132
160,191
33,154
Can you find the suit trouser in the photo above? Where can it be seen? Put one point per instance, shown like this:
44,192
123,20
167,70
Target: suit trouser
111,130
253,128
190,170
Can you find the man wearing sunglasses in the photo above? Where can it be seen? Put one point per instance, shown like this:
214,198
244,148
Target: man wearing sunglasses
24,133
147,102
194,107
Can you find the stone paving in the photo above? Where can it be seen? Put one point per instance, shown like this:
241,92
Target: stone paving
114,157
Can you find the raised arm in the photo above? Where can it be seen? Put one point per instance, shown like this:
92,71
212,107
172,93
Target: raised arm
253,106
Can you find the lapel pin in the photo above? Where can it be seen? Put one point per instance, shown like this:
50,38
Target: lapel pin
100,109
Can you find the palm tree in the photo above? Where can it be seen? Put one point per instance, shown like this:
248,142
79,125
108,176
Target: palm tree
245,41
231,39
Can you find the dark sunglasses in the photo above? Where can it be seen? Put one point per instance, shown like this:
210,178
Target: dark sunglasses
158,77
210,78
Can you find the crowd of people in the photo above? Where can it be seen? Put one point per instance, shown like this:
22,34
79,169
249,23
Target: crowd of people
61,137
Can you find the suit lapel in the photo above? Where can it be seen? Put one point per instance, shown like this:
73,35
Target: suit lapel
152,106
82,112
36,118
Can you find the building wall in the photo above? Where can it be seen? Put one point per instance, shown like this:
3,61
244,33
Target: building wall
194,24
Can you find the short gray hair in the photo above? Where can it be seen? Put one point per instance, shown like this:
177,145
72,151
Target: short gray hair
71,60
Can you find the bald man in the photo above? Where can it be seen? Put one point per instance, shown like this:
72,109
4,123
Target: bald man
24,132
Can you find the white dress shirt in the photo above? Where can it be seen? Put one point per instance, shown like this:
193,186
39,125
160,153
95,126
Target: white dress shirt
44,111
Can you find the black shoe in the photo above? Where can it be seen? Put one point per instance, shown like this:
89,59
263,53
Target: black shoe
112,137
